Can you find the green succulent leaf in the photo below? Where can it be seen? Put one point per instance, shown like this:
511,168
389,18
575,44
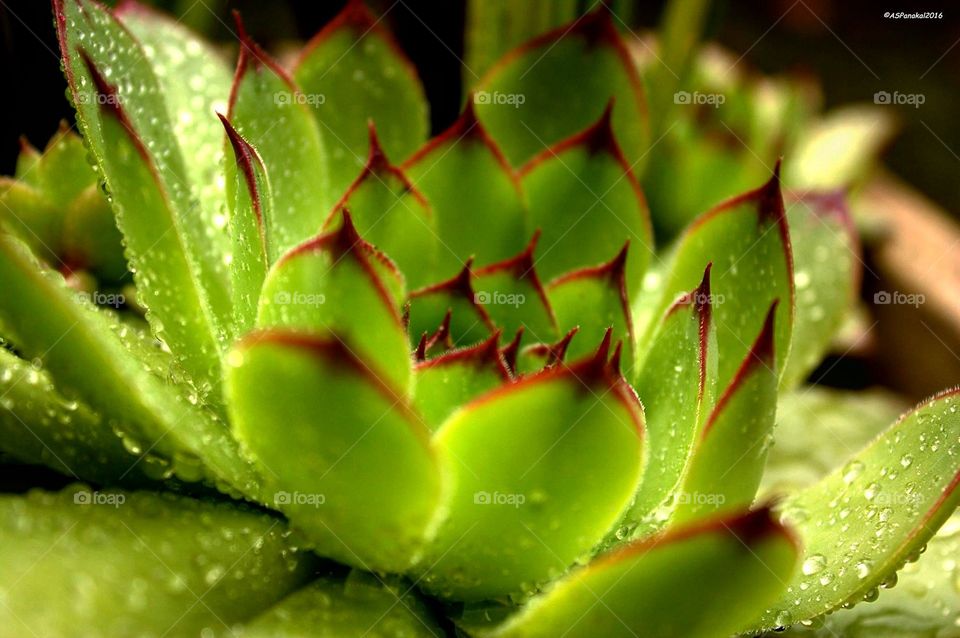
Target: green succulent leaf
158,417
511,293
699,581
262,97
586,201
446,382
326,284
39,425
475,196
730,451
28,214
453,307
122,563
540,356
859,524
595,299
194,80
528,102
354,72
747,241
827,271
393,216
840,149
350,462
251,205
677,386
181,276
922,602
539,470
56,206
495,26
360,605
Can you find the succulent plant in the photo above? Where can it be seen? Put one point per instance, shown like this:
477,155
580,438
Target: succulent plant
398,387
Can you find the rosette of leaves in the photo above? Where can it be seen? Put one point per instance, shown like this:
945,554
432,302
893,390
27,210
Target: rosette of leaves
456,368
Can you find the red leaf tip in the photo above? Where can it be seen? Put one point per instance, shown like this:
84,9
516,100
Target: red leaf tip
510,351
770,198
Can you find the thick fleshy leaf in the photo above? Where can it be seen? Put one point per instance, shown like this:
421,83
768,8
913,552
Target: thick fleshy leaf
511,293
923,602
528,102
350,462
140,392
729,453
859,524
539,471
38,425
449,381
587,202
180,276
339,285
701,581
271,113
475,195
250,206
747,241
595,299
26,213
676,385
195,82
393,216
138,563
360,605
539,356
453,303
827,271
494,27
353,72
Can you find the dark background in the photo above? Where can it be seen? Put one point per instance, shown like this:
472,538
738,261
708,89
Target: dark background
849,45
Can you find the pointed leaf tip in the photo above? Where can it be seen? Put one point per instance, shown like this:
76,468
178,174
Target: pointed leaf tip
485,353
510,351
